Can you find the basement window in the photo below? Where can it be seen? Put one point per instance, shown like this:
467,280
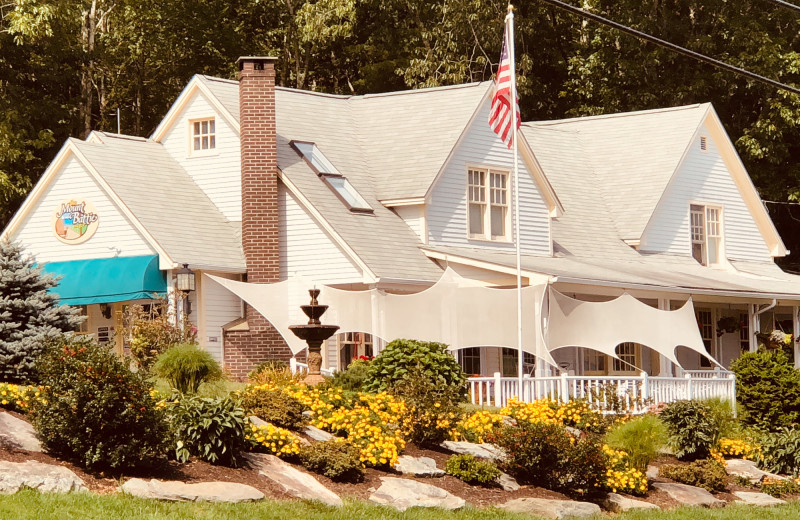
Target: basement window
337,182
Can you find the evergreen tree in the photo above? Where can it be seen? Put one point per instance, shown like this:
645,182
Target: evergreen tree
29,315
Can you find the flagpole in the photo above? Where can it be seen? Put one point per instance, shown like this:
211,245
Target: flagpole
511,57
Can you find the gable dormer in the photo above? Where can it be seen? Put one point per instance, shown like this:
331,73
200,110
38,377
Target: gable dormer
710,209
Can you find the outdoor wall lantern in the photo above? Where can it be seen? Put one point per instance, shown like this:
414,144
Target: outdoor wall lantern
185,282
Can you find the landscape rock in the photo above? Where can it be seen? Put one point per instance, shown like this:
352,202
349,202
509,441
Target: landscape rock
37,475
176,491
507,482
549,508
749,470
296,483
617,503
317,434
18,434
403,494
418,466
758,499
689,495
482,451
651,473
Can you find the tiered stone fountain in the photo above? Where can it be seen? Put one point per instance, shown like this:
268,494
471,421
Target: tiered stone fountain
314,333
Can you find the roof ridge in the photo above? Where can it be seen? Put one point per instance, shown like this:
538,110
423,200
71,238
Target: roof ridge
125,137
633,113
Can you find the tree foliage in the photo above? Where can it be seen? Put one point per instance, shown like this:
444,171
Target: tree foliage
66,66
29,314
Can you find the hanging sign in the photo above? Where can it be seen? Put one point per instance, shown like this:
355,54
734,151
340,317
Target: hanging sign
75,221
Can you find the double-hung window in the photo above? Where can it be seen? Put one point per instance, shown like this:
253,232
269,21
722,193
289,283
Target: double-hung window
204,135
706,233
487,204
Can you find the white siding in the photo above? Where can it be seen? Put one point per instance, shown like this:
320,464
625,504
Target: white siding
704,178
447,211
115,235
219,307
306,249
414,217
219,173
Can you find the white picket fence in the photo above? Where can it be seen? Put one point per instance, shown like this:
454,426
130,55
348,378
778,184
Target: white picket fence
296,367
631,394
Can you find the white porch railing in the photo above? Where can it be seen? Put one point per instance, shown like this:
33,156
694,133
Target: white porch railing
296,366
628,394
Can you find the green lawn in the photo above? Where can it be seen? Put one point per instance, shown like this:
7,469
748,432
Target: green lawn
35,506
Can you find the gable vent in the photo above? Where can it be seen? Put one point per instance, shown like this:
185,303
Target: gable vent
703,143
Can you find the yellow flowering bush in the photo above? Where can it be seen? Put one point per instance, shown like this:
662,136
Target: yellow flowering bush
541,411
372,422
621,475
275,440
738,448
477,426
579,414
18,397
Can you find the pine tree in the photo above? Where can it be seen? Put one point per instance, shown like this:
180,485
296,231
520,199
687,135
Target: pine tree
29,315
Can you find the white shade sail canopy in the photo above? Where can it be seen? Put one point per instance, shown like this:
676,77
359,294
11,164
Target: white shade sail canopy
602,326
455,310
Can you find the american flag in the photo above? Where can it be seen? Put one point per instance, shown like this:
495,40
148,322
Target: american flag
500,114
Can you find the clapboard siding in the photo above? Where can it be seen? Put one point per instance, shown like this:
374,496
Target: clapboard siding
704,178
115,235
447,211
220,307
306,249
218,174
414,217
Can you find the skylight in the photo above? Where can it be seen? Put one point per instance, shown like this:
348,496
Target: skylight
331,176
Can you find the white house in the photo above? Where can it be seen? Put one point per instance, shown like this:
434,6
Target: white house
250,182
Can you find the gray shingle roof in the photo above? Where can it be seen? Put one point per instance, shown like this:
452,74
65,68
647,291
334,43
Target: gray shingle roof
165,199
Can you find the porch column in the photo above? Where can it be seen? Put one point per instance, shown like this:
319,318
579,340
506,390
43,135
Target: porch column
665,366
754,325
795,332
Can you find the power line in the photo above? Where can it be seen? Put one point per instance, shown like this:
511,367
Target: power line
785,4
673,47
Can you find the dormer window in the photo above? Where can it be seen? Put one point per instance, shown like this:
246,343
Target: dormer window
204,135
487,204
706,234
337,182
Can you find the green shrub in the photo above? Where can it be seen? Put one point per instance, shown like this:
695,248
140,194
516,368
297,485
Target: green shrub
432,408
275,373
641,438
547,455
768,389
353,379
692,429
94,411
780,451
337,460
707,474
210,429
152,330
402,355
780,488
274,406
471,470
186,367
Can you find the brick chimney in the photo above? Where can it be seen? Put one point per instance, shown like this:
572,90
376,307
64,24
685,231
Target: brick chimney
259,167
254,340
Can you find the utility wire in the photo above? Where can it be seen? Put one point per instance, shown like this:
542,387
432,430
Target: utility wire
673,47
785,4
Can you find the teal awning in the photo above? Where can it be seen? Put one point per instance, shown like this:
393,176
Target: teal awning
106,280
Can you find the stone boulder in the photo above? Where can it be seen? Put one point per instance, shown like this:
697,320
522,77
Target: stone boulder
548,508
481,451
418,466
617,503
689,495
317,434
17,434
296,483
403,494
758,499
507,482
37,475
749,470
176,491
